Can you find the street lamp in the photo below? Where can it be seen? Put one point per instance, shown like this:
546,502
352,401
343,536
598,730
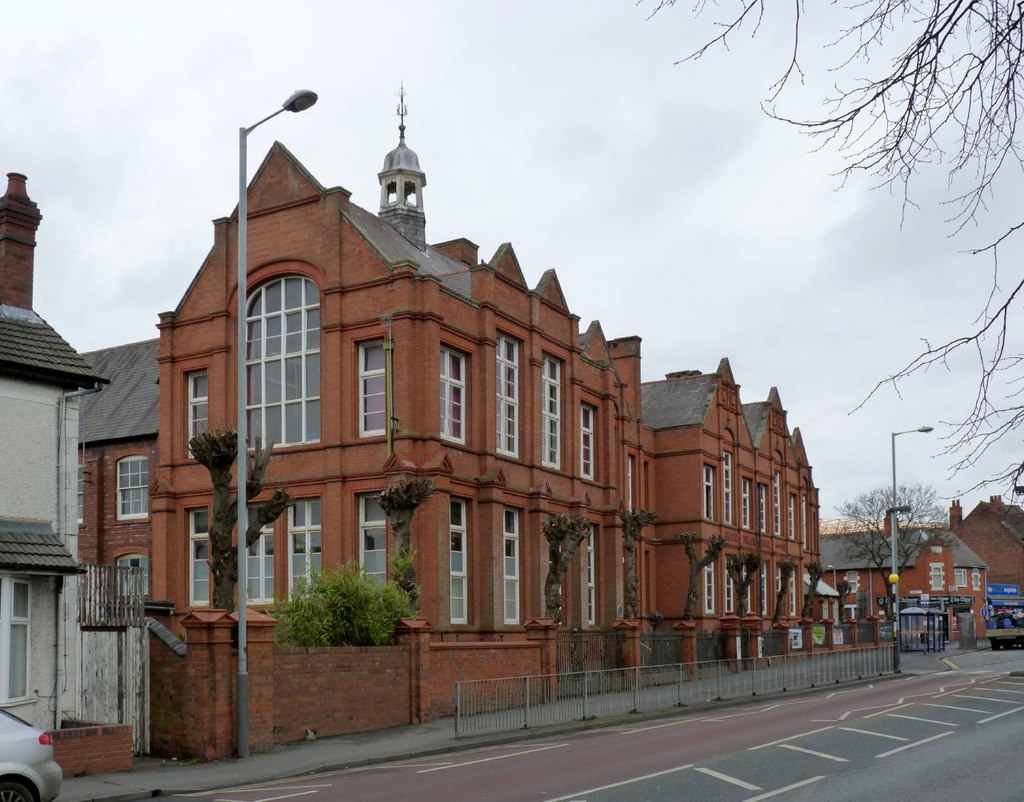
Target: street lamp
298,101
894,577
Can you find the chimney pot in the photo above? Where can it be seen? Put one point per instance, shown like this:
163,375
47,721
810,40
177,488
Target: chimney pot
16,186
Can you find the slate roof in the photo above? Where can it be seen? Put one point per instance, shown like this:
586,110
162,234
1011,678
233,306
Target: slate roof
833,551
33,547
130,405
393,247
677,402
31,348
756,416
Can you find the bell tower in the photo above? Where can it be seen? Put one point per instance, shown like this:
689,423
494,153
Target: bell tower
401,187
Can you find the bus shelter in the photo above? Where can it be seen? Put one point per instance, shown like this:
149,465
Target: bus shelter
922,630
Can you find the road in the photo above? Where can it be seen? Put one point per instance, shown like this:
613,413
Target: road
954,735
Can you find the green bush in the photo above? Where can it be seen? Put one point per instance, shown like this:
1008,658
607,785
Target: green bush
345,607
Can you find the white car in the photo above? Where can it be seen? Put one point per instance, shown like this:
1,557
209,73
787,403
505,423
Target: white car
28,772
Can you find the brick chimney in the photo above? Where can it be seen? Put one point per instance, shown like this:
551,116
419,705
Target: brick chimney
19,219
956,515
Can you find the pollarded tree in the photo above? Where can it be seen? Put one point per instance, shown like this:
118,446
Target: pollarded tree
743,568
633,523
564,532
715,545
917,87
399,501
815,571
916,528
786,568
216,450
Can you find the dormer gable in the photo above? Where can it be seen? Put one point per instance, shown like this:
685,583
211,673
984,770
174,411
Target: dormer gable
550,290
504,263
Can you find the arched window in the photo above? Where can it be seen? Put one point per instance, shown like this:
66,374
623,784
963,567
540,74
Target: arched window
283,362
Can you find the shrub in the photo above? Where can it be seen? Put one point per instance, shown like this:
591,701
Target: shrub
344,607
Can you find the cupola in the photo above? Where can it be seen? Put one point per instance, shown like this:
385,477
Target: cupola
401,187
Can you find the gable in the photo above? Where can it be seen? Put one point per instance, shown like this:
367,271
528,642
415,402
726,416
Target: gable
550,290
504,263
594,345
279,181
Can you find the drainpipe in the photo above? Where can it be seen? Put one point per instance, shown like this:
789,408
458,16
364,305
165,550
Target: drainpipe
60,642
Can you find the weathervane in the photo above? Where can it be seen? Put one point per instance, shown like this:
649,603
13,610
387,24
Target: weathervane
401,111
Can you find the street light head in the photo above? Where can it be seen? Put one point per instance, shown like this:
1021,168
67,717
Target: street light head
300,100
923,429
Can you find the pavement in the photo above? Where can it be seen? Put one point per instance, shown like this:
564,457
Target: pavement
158,776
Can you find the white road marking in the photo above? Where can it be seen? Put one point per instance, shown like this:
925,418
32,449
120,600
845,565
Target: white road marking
825,755
489,759
778,791
926,720
284,796
915,744
726,778
790,738
1000,715
1005,690
953,707
987,698
581,794
879,734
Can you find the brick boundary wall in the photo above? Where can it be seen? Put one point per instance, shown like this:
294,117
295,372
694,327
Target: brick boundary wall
85,747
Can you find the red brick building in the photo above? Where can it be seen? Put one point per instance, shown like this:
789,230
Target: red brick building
372,355
118,449
995,530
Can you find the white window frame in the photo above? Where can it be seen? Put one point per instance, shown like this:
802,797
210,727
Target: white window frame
588,457
777,503
709,492
803,519
763,591
791,516
630,478
283,362
305,541
960,577
198,402
136,560
762,507
507,391
792,597
591,578
458,565
510,565
551,412
452,396
853,577
81,492
709,589
975,579
15,630
259,572
937,576
727,488
730,593
745,487
372,386
370,527
132,488
199,538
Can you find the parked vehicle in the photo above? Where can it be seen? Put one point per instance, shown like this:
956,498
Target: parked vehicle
28,772
1005,638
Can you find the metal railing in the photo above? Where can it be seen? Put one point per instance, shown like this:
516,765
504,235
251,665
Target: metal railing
518,702
588,651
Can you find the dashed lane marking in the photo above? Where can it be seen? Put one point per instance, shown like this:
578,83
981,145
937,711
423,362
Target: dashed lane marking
790,738
878,734
788,788
825,755
726,778
953,707
582,794
926,720
915,744
521,752
1000,715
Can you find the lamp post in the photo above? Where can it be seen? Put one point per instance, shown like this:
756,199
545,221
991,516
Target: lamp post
894,577
298,101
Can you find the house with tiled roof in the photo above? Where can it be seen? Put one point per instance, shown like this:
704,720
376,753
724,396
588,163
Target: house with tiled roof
995,530
42,381
941,573
118,432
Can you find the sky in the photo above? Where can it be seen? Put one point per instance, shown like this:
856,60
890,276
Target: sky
670,205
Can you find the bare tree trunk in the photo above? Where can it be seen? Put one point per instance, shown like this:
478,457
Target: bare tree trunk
714,550
815,571
786,568
564,533
743,568
633,523
399,501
